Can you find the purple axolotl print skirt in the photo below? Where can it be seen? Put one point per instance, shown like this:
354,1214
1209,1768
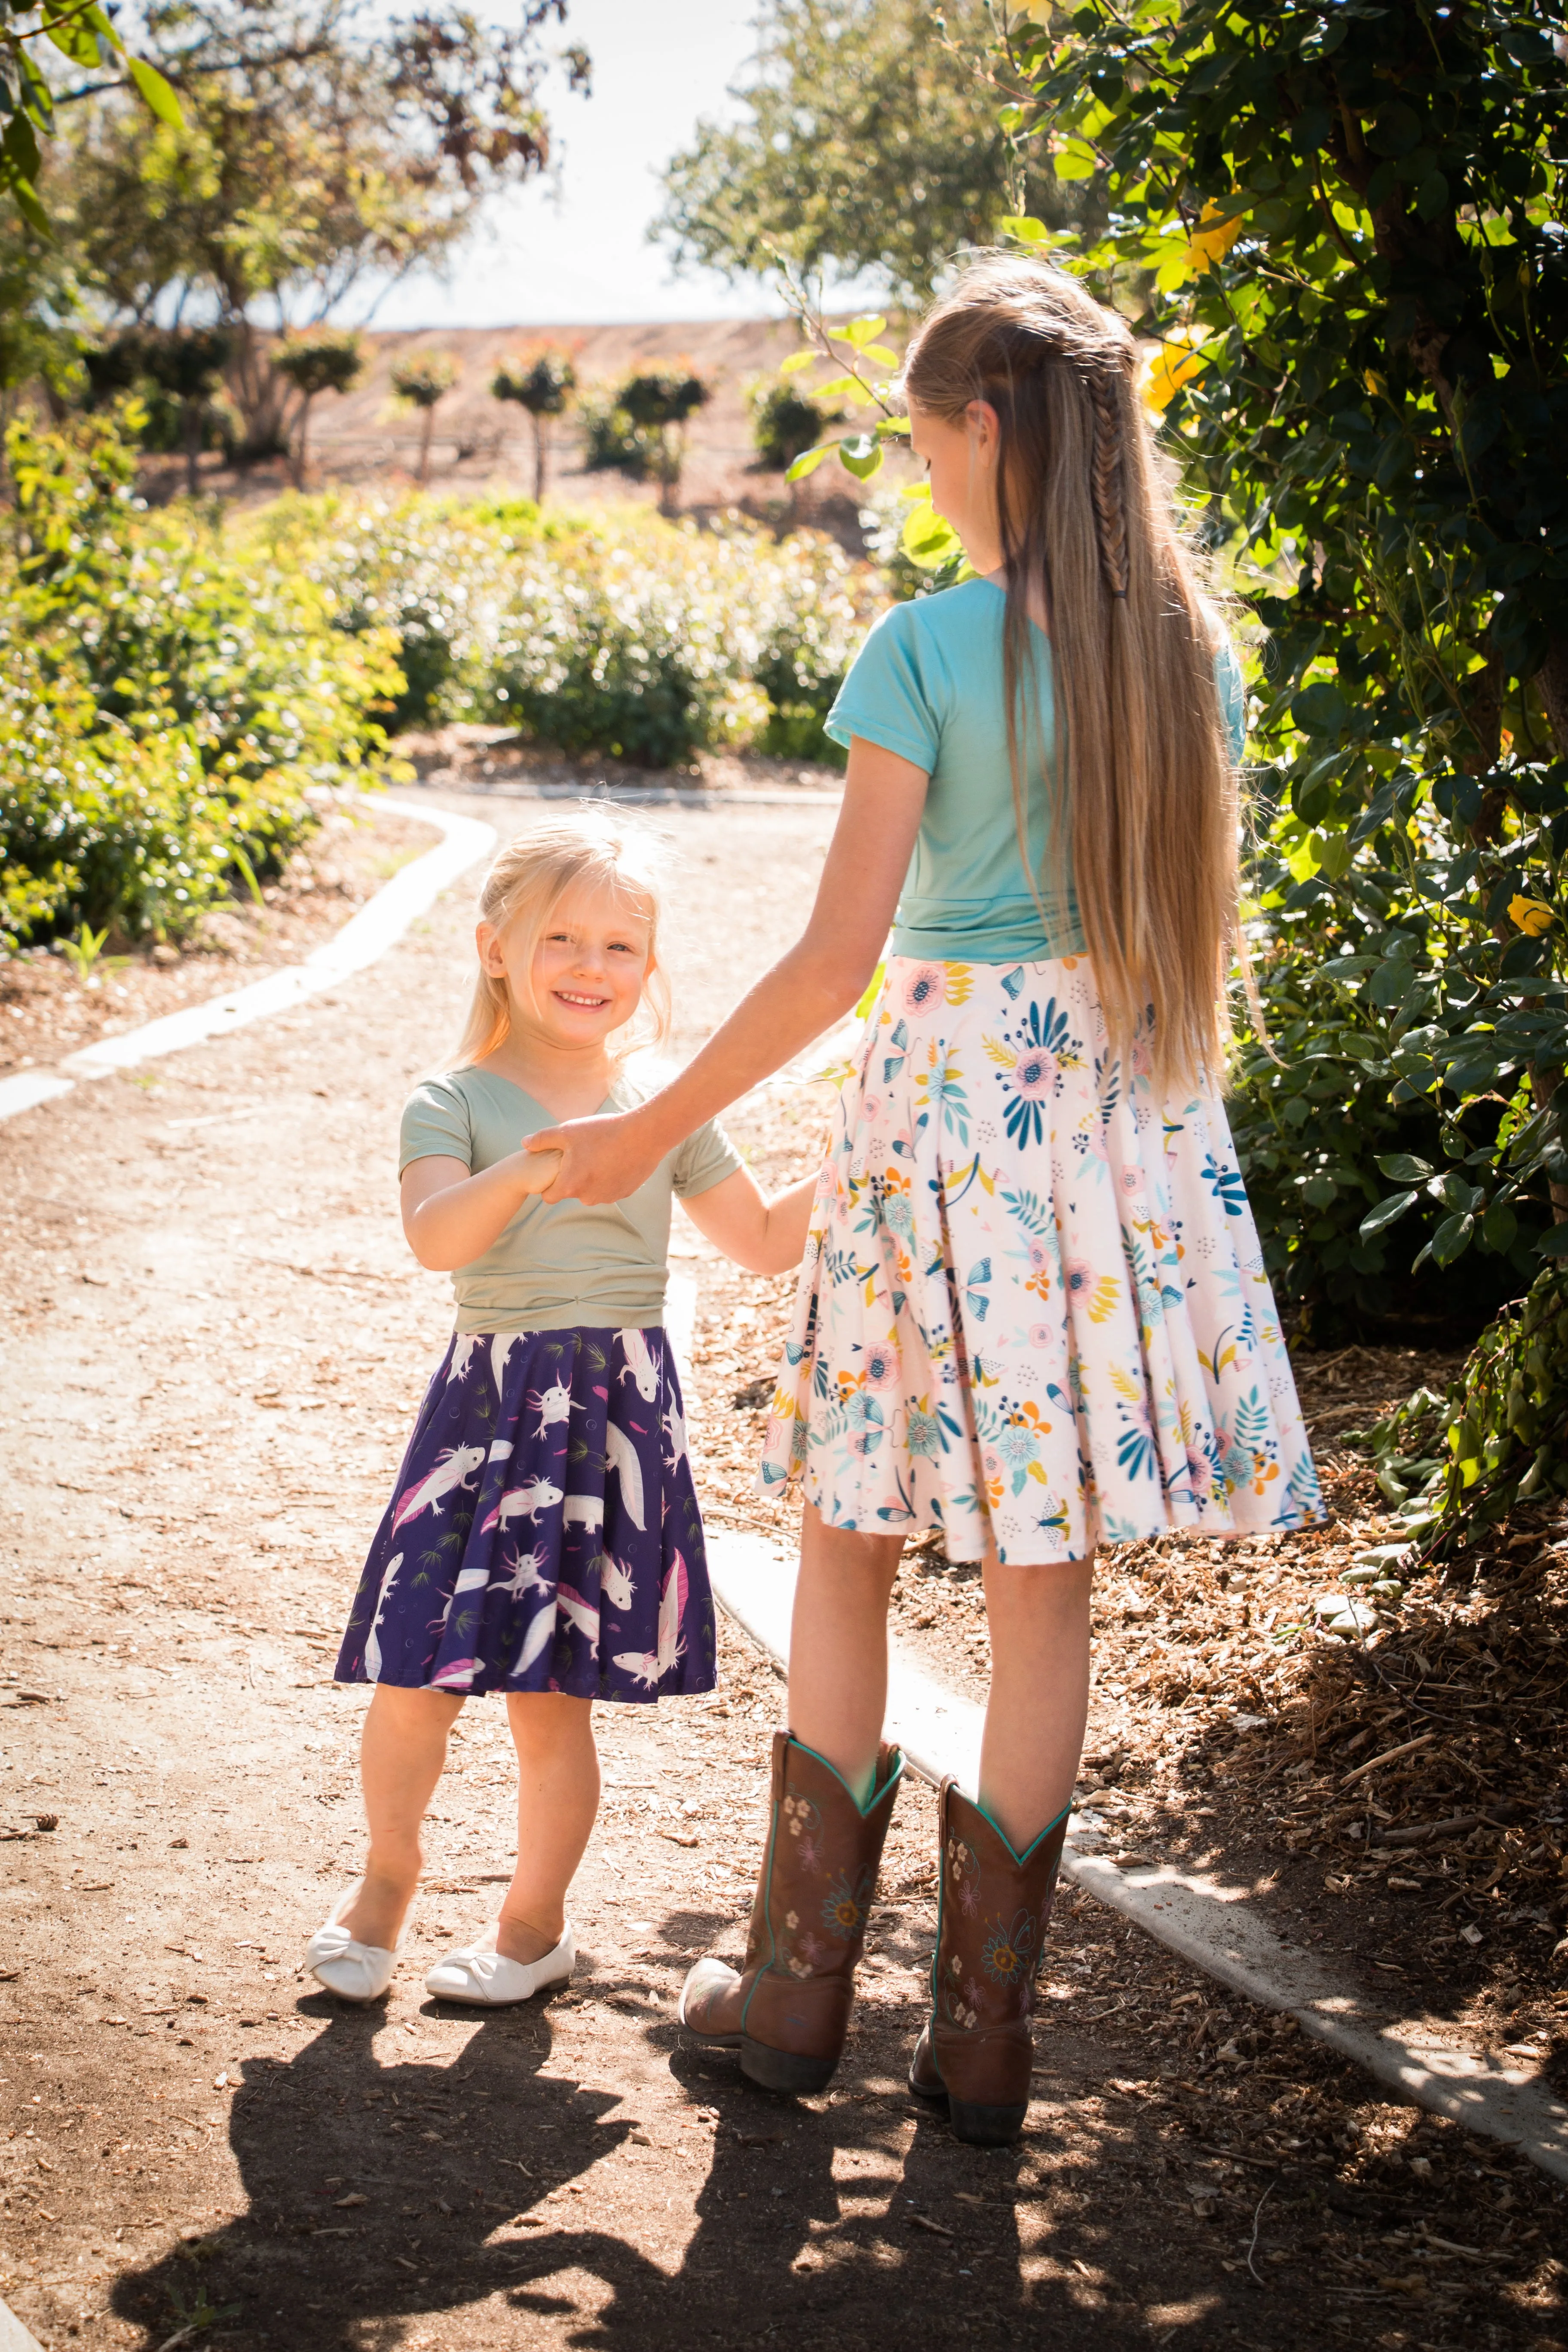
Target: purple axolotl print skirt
544,1534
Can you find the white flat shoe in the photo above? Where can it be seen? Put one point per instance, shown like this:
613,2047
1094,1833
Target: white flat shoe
353,1972
489,1981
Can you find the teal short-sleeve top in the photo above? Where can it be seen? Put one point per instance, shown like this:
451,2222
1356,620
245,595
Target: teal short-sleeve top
558,1262
928,684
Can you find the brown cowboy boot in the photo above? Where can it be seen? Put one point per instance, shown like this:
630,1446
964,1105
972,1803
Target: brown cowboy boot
992,1910
787,2010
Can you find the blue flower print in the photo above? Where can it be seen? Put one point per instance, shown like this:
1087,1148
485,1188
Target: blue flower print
922,1433
1033,1057
1227,1186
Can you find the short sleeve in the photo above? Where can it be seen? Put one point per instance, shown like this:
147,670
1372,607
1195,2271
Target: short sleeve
1232,691
703,1160
436,1125
886,698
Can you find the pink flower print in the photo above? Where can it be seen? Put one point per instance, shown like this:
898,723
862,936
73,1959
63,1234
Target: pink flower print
1130,1180
1039,1254
1035,1072
926,989
1041,1335
1078,1277
882,1368
871,1109
971,1995
1200,1472
810,1855
969,1897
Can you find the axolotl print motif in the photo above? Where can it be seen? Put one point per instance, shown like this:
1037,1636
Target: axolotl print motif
1033,1311
540,1536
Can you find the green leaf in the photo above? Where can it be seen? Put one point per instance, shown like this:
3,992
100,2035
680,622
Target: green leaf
888,426
1075,159
73,37
843,387
1387,1213
1500,1228
1452,1239
1554,1242
860,453
160,99
928,539
798,360
860,331
1403,1168
1023,228
809,460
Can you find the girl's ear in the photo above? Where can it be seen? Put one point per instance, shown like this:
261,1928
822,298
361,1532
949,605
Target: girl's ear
492,961
985,429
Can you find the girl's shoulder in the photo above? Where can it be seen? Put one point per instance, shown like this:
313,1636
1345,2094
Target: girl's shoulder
943,615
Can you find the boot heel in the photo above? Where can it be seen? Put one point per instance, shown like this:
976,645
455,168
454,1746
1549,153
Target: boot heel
783,2070
984,2126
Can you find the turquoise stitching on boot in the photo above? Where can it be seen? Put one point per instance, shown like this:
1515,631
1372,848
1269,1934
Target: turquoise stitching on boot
985,1814
768,1915
895,1774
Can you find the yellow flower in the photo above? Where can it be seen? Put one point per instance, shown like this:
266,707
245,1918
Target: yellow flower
1212,240
1532,916
1173,366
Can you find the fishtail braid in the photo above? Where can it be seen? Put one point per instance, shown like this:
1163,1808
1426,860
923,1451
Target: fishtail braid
1106,480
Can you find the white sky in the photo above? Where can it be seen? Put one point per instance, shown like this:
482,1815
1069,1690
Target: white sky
579,256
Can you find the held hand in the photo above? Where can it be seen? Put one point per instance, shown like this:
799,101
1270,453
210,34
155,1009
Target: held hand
601,1160
537,1171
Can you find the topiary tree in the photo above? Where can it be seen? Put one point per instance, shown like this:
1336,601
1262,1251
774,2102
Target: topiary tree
544,386
1349,222
786,423
423,381
322,360
660,403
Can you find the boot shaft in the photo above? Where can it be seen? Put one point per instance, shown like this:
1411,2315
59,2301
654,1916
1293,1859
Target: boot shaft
994,1907
819,1874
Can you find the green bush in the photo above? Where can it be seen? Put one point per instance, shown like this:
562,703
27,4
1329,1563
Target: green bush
1317,1130
653,641
428,570
176,702
630,635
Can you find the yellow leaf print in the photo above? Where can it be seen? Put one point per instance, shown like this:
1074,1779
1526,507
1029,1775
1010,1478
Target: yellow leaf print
1103,1299
1223,1356
960,982
1122,1381
1003,1056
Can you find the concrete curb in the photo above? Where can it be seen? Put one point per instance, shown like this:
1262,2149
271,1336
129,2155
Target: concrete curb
696,796
361,942
13,2336
1208,1923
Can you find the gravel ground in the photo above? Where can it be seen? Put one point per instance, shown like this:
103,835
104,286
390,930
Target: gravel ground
214,1340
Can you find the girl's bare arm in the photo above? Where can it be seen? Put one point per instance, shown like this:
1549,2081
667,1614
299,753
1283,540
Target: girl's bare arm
765,1236
815,983
450,1218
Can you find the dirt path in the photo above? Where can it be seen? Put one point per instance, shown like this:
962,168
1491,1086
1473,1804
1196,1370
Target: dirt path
214,1340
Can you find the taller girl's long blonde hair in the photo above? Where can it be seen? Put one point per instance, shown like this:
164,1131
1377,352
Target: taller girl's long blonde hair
1145,814
529,876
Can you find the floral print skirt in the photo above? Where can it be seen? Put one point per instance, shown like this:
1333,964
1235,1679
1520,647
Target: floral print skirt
1032,1309
543,1533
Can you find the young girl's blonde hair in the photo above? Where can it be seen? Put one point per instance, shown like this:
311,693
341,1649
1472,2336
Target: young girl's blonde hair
1144,815
529,876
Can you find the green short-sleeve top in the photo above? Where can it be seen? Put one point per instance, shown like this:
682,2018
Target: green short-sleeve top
928,684
557,1263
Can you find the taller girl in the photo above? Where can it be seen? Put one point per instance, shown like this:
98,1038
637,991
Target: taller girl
1033,1311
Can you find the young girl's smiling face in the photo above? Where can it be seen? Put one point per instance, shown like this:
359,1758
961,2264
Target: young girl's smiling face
588,971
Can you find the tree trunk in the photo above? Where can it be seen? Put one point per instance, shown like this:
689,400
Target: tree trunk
190,418
540,460
302,451
427,428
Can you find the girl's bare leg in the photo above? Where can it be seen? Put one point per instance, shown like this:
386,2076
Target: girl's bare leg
1038,1705
557,1798
838,1646
402,1752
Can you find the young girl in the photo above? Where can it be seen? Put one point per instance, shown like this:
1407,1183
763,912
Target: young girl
544,1537
1033,1311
